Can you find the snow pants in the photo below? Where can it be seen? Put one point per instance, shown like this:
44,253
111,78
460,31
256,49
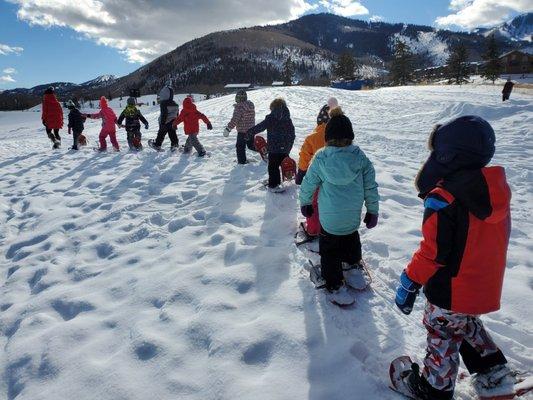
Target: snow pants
134,137
112,137
53,136
505,96
334,250
450,335
274,171
162,132
75,137
242,142
313,222
192,141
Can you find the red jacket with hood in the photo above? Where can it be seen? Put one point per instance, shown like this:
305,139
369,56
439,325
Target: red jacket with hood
52,113
109,118
190,117
467,223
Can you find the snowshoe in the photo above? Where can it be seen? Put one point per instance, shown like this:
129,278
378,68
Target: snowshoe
174,149
261,147
277,189
500,383
357,275
152,144
100,149
341,296
202,154
316,276
137,143
56,145
75,148
82,140
288,169
303,237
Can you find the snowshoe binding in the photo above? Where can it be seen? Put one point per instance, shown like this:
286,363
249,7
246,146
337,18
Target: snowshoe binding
357,275
500,383
340,296
302,236
260,145
288,169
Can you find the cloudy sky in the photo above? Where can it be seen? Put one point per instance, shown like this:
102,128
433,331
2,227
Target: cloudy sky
76,40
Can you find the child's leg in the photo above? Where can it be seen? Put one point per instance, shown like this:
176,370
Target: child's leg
446,331
330,261
274,173
113,138
56,135
188,145
173,136
101,138
351,249
161,133
241,147
478,350
313,222
196,144
75,136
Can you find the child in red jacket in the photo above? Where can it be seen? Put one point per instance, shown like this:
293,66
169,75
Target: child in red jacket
52,116
190,117
109,125
460,262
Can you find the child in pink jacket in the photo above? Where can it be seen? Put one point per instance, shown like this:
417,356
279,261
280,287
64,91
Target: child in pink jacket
109,120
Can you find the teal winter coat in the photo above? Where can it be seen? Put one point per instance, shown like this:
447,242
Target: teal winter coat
346,178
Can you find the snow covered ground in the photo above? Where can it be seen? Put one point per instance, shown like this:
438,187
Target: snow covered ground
159,276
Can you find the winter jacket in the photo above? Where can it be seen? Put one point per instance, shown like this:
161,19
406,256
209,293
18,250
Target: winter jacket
243,116
133,118
168,107
76,120
52,113
461,260
108,116
346,179
280,131
190,117
314,142
508,87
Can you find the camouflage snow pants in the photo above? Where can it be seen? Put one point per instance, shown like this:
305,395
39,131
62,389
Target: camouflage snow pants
450,335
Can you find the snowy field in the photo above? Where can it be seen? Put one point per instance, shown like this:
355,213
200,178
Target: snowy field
165,276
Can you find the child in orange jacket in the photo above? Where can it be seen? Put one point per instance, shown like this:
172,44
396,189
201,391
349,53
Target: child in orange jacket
190,117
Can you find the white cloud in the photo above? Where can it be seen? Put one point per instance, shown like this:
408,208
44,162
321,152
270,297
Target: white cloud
144,29
376,18
346,8
471,14
10,71
6,79
6,50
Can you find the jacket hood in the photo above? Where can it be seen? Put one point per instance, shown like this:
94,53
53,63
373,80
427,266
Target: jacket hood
166,93
50,98
281,113
341,165
188,104
103,102
245,106
484,192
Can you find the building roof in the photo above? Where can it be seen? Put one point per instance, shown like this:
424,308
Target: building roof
278,83
237,85
525,51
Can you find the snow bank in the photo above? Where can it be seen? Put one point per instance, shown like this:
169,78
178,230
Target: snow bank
158,276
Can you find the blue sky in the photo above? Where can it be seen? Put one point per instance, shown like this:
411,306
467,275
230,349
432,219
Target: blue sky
87,38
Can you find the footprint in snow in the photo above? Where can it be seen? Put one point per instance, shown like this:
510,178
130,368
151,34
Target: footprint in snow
258,353
146,350
70,309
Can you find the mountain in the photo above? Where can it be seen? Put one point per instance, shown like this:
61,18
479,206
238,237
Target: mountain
519,29
258,54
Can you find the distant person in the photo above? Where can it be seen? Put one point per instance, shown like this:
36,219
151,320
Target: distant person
280,139
133,117
76,122
52,116
109,120
168,112
507,89
243,119
190,117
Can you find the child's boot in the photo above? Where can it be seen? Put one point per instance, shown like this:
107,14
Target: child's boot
494,381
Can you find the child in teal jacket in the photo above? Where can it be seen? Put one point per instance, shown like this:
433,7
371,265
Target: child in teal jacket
346,179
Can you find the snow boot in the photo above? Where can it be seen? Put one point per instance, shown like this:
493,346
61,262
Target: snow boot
355,276
494,381
202,154
340,296
277,189
152,144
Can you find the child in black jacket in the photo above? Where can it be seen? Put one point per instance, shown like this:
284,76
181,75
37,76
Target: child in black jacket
75,123
133,124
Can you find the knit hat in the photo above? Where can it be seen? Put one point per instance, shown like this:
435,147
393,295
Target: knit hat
49,90
131,101
465,143
71,105
241,96
339,126
333,103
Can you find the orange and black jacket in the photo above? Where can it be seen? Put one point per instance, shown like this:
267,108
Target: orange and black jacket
467,223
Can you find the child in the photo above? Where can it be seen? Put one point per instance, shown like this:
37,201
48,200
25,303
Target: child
243,119
280,138
507,89
52,116
133,124
461,260
314,142
75,123
168,112
109,120
190,117
346,179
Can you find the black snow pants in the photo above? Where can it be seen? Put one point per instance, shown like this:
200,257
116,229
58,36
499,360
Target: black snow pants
242,142
54,137
134,134
163,130
334,250
274,172
75,137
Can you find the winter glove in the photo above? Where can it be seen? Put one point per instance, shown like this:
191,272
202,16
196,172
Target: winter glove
69,131
406,294
299,176
371,220
146,126
209,126
226,132
307,211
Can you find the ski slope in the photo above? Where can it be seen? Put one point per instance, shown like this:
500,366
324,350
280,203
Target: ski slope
165,276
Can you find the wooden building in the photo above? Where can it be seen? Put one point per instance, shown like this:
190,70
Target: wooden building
517,62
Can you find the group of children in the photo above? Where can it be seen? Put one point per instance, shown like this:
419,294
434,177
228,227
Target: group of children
466,224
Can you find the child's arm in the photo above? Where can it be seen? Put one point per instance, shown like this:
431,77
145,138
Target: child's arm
178,120
260,127
438,231
310,183
370,188
142,119
121,118
234,119
206,121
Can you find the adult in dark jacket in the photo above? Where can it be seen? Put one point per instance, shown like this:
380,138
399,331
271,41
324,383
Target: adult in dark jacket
76,122
280,138
133,117
52,116
169,111
507,89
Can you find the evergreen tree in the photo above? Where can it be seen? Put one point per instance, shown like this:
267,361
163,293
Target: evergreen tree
288,72
458,68
492,68
401,71
345,67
